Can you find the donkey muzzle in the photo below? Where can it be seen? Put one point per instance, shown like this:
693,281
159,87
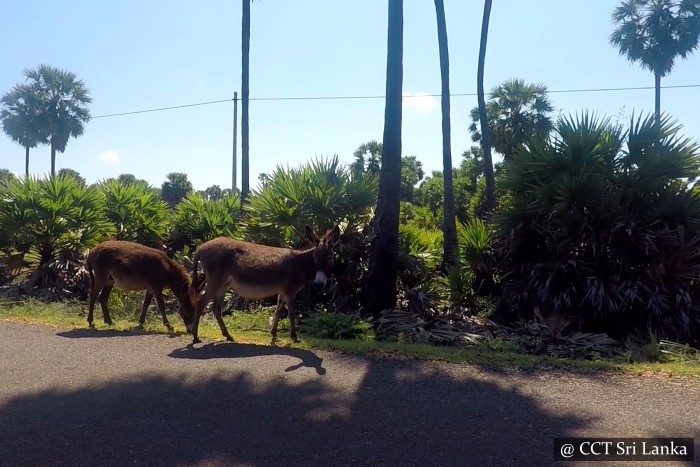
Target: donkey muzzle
321,278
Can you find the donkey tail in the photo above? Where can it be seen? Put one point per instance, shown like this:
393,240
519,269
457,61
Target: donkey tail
90,270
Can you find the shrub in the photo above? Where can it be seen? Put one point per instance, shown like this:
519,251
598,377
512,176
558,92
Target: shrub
322,193
136,211
50,223
198,220
604,228
326,325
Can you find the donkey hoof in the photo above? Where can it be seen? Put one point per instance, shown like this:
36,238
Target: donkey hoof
91,325
196,340
229,339
109,323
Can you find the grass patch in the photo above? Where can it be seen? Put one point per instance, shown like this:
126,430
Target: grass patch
252,328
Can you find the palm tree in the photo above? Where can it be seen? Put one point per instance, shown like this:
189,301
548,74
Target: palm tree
63,99
515,112
20,115
367,158
175,188
655,33
245,94
380,291
490,203
449,227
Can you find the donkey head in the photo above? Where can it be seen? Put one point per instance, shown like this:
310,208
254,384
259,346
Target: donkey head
186,308
323,252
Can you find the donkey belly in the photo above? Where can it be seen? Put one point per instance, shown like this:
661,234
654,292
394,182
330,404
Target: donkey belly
128,282
253,291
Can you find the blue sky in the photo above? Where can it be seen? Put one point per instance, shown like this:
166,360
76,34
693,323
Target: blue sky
136,55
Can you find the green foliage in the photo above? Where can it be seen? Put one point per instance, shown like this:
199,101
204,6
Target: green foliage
63,100
73,174
420,216
604,229
49,223
214,193
368,159
326,325
20,111
50,217
411,174
656,32
516,112
6,176
420,244
466,180
175,188
322,193
474,274
198,220
136,211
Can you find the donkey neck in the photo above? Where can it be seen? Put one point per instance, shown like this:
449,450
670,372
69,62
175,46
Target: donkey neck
304,262
176,278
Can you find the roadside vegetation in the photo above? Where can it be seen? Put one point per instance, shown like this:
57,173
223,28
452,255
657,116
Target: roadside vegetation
580,250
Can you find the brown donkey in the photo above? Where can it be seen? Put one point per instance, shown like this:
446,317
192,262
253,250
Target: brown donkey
132,266
257,271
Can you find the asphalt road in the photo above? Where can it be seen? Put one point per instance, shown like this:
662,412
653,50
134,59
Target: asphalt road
86,397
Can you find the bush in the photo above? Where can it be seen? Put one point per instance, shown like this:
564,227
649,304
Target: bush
322,193
136,211
604,229
326,325
198,220
50,223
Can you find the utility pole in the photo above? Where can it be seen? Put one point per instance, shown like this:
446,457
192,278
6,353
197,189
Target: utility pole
235,134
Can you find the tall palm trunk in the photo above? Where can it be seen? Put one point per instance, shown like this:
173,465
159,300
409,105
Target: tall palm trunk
380,288
449,227
53,158
490,190
26,161
245,77
657,97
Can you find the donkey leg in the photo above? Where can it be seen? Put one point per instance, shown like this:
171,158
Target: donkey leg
146,303
94,292
201,304
161,306
104,296
218,303
276,319
291,307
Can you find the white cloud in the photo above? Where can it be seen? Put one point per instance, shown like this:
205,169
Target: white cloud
110,156
421,102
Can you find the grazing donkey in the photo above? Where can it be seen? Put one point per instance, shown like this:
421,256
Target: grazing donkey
257,271
133,266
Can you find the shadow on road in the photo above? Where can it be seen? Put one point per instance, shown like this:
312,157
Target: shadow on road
82,333
398,413
234,350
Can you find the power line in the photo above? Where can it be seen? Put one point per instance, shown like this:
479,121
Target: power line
163,108
325,98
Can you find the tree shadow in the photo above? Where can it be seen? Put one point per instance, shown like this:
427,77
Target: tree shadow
136,330
395,413
233,350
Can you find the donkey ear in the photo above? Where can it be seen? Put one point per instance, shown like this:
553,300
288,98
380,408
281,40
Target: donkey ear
311,235
335,235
